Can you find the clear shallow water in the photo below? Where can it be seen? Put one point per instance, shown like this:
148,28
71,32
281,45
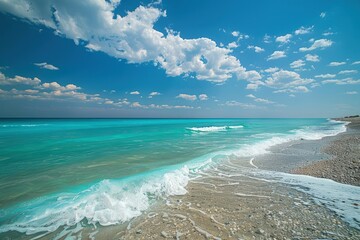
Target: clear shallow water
107,171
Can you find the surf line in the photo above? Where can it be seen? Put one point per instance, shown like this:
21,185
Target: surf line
251,163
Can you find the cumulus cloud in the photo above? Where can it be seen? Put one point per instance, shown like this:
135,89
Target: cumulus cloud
256,48
303,30
323,14
297,64
203,97
44,91
4,80
335,64
320,43
46,66
355,63
232,45
312,58
135,93
352,93
187,97
284,39
97,26
288,81
276,55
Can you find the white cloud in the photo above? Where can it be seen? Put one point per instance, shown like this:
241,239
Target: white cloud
320,43
345,81
326,76
46,66
57,87
288,81
335,64
153,94
18,80
239,104
327,34
135,93
155,106
203,97
45,91
352,93
187,97
235,33
284,39
136,105
297,64
254,85
256,48
272,69
348,72
232,45
323,14
259,100
267,39
276,55
312,58
303,30
240,36
99,27
355,63
296,89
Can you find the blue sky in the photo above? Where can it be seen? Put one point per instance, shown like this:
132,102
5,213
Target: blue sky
179,58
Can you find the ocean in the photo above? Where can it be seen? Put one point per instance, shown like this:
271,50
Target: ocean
59,172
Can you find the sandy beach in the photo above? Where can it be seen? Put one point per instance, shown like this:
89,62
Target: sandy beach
230,202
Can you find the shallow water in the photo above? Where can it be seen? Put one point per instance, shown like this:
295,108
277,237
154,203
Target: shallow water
59,172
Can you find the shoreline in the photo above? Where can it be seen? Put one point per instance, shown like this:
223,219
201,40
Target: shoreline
343,164
232,201
239,199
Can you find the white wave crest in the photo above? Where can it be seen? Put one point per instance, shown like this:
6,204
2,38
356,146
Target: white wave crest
214,128
307,133
107,202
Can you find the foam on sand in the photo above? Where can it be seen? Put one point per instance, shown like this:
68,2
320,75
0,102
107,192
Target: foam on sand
341,198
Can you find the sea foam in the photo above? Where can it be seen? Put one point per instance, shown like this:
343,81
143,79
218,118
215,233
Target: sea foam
108,202
341,198
214,128
306,133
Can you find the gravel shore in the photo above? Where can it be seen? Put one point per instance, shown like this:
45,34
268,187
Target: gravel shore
344,162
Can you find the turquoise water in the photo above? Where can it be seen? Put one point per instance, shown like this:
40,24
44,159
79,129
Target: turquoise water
51,168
